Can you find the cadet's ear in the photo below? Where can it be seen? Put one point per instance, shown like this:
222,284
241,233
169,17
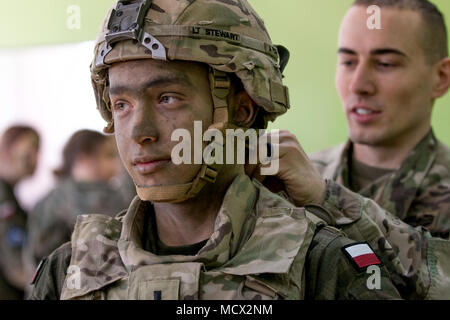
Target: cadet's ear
245,110
443,79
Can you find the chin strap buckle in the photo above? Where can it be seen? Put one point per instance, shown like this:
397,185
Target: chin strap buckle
220,88
208,173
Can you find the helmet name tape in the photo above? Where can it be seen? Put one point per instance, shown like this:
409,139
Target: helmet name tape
217,33
214,34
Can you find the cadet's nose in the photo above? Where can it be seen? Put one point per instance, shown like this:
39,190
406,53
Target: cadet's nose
144,128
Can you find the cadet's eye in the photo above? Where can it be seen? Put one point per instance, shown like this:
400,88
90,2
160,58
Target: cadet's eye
121,106
167,99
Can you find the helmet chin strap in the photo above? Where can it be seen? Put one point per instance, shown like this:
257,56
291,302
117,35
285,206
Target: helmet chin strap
220,88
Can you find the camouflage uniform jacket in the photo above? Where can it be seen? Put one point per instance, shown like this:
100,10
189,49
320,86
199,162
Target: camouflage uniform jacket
52,220
262,247
418,193
12,236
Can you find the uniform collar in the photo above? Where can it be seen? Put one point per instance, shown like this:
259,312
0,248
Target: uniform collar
395,192
236,208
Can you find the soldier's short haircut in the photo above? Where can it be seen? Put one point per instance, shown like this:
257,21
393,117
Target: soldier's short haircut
82,142
434,35
12,134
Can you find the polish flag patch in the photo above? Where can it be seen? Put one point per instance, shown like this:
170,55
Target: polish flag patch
361,255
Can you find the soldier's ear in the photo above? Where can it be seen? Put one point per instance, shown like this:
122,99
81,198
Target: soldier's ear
442,83
245,110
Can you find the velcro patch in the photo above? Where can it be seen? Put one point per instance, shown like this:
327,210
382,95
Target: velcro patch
361,255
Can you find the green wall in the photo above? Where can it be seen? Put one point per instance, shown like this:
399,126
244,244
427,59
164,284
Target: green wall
307,27
36,22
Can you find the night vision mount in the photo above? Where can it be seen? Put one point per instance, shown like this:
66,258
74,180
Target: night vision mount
126,23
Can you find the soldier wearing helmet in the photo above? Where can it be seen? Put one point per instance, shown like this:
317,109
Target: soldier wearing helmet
198,231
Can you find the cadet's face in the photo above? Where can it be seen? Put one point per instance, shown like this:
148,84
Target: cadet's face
24,155
382,78
150,99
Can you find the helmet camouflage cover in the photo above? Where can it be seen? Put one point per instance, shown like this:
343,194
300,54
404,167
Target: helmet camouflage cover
228,35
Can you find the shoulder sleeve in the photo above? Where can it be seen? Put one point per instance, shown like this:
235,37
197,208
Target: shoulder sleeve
333,274
431,207
402,248
49,277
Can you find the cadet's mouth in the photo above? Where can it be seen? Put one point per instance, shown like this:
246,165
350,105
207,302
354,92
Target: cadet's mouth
148,164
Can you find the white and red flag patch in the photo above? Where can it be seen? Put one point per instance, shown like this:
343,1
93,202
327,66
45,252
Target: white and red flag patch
361,255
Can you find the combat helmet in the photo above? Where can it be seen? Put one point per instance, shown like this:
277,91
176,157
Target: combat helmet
227,35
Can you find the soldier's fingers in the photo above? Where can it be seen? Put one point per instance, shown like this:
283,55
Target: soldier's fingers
288,139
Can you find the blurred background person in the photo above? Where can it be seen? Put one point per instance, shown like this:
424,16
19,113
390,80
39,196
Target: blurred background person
90,180
19,147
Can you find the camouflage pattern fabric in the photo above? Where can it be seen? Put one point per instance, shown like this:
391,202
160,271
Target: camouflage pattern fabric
418,193
415,193
262,247
12,237
52,220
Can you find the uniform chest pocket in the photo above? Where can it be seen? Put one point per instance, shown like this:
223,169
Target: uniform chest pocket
164,289
174,281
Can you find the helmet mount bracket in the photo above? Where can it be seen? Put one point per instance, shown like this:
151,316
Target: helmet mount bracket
126,23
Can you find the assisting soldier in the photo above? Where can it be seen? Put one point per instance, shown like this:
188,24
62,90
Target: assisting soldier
388,81
197,231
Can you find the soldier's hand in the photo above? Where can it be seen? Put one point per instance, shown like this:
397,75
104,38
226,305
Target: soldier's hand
296,174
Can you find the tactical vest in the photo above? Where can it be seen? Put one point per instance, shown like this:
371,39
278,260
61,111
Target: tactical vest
259,254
